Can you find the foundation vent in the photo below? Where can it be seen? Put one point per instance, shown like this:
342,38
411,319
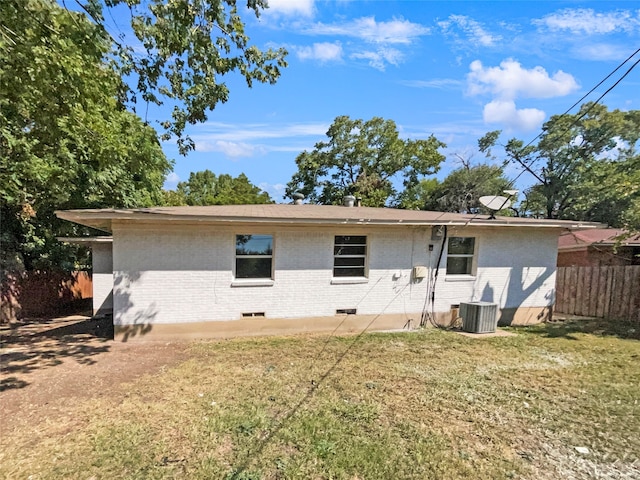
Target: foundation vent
346,311
252,314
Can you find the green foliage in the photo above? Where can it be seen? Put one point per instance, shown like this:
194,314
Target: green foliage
189,47
362,158
205,188
587,166
65,141
420,196
460,190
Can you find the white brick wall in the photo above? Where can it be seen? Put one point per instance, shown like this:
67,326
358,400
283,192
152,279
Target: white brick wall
169,274
102,278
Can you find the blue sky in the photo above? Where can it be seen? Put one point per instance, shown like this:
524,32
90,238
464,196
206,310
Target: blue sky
453,69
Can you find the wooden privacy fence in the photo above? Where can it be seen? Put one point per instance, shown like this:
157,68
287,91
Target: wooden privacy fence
42,294
606,292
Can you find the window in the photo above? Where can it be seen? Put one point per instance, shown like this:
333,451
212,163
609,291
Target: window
254,256
460,255
349,256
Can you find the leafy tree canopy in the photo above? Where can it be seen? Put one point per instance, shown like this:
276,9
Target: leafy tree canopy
186,50
363,158
460,190
65,140
205,188
587,165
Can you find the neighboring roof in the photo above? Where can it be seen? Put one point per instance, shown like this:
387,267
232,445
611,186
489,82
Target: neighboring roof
289,214
597,236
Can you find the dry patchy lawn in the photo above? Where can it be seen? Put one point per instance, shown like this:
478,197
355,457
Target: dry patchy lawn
428,404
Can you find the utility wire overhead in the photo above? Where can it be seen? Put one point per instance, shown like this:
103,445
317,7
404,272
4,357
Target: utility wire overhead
528,167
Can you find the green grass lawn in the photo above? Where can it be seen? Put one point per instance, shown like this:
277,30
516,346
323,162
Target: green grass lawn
429,404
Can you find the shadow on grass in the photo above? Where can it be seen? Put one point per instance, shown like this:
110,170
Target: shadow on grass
568,328
39,344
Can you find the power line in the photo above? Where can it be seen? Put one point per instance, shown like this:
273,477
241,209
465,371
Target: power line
576,120
592,90
527,168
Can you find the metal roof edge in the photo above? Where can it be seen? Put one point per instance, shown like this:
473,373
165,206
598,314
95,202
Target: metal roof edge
90,216
83,240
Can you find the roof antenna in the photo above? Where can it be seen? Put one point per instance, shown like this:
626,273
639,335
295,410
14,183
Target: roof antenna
495,203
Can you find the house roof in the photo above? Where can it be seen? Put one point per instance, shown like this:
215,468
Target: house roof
289,214
598,236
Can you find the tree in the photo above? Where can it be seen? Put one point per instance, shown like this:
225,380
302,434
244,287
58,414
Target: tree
186,48
65,140
460,190
586,165
204,188
363,158
419,196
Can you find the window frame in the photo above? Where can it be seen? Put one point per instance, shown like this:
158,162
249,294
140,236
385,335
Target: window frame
364,256
268,280
472,256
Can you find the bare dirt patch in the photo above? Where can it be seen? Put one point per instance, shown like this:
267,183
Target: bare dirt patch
48,365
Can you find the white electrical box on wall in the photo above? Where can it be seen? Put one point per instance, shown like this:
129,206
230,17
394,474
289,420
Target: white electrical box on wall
419,272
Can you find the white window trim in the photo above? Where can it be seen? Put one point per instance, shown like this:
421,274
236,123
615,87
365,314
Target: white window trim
459,278
254,282
348,280
463,277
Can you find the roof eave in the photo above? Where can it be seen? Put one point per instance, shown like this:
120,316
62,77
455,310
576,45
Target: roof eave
104,220
85,240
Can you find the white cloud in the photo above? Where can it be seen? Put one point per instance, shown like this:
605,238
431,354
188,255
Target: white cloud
383,38
585,21
216,131
505,112
229,149
510,80
602,51
305,8
473,30
396,31
275,191
324,52
380,58
439,83
171,181
247,140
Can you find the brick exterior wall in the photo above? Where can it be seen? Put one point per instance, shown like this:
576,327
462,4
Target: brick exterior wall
102,260
167,274
599,256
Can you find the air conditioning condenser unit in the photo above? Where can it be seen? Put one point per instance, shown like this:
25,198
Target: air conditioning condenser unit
479,317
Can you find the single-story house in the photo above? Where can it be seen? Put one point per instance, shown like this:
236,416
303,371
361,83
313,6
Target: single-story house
221,271
598,247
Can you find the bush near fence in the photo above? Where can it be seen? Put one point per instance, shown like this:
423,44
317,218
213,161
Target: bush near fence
43,294
604,292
